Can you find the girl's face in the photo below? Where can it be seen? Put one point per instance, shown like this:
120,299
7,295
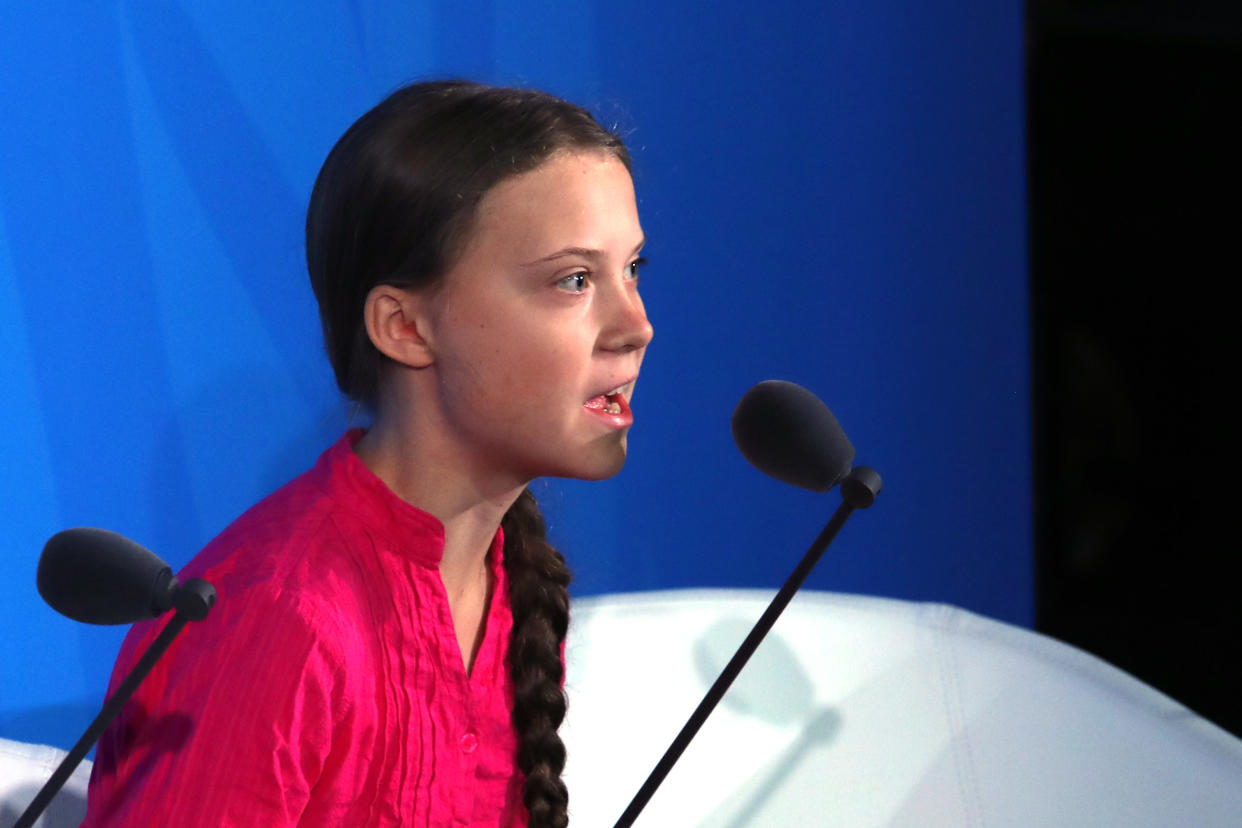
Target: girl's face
537,332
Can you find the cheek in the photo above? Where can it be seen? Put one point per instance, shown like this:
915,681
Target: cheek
544,365
551,346
501,356
475,345
507,370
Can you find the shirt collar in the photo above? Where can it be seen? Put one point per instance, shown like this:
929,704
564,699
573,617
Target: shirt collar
407,528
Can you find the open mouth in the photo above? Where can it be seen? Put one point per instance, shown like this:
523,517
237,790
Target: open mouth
611,402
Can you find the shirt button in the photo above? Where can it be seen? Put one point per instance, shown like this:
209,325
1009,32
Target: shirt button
468,742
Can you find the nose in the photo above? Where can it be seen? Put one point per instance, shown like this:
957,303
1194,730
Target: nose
625,325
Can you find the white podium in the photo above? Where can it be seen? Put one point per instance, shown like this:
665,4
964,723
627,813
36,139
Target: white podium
874,712
23,771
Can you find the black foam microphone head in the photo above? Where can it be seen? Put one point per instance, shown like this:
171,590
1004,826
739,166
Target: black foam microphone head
100,577
786,431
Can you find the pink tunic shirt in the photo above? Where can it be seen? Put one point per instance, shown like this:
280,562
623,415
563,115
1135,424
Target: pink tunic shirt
326,687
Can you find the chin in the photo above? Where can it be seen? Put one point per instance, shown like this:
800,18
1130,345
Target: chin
603,465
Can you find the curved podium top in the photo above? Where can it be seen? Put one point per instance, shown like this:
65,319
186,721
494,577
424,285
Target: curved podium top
854,712
863,712
23,770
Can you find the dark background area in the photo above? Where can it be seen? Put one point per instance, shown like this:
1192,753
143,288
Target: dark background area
1135,187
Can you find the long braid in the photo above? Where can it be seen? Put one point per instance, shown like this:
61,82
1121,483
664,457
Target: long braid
539,596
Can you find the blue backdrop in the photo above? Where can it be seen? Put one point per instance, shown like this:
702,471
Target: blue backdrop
834,194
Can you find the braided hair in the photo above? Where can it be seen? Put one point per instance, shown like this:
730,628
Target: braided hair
395,204
539,594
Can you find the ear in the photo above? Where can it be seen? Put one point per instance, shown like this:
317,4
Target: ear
396,325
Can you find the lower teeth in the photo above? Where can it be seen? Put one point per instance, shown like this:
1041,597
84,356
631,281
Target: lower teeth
613,408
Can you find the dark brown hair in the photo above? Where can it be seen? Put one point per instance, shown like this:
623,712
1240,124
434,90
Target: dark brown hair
396,197
394,204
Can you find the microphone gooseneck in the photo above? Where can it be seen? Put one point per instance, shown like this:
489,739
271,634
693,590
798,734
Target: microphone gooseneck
100,577
785,431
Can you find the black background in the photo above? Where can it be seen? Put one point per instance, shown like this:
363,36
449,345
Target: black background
1136,228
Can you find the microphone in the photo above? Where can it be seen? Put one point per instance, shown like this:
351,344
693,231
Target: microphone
99,577
786,432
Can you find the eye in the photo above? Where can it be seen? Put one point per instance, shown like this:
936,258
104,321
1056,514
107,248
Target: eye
574,282
635,266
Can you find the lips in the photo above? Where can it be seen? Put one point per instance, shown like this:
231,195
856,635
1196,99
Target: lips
610,401
613,404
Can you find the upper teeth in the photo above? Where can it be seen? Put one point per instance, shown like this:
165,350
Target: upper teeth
615,391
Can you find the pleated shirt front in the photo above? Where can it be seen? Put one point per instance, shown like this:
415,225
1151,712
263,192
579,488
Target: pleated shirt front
326,687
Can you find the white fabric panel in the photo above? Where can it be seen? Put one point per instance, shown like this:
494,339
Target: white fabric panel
864,711
23,771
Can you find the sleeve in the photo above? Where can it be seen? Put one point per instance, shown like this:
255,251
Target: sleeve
232,728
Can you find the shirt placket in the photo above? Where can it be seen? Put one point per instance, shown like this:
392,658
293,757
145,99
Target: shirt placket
465,743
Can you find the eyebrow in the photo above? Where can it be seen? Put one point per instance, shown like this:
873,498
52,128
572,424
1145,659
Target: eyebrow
585,252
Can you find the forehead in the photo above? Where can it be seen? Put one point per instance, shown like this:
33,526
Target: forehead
581,198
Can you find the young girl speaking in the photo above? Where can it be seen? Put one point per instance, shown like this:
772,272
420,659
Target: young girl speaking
387,646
